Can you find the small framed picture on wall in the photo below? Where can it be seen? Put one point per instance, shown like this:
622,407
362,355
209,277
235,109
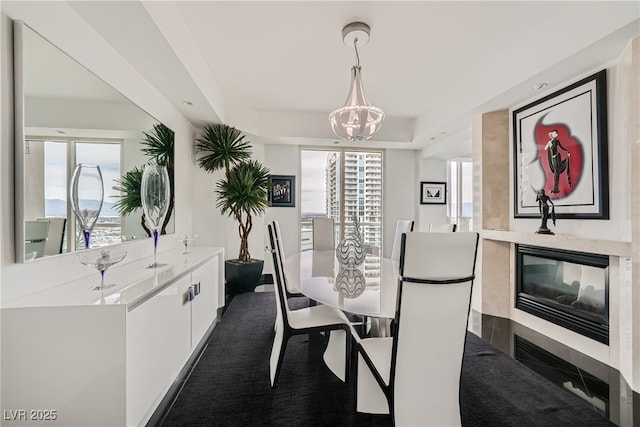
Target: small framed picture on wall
283,191
433,193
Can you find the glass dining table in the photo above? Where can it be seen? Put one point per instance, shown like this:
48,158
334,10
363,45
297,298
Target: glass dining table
368,290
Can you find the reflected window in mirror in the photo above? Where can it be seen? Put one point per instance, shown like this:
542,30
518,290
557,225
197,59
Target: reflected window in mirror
49,191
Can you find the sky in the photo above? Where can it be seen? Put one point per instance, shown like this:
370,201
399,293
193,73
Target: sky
107,156
313,185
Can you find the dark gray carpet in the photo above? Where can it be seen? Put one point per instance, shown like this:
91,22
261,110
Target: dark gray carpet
230,384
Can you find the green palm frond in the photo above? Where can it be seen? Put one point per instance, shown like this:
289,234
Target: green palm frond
244,190
158,145
129,188
221,146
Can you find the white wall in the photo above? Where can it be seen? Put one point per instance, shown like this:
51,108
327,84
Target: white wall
284,160
432,170
401,192
59,23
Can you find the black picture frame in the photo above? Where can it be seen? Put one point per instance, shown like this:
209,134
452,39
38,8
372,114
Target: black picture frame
572,165
433,193
282,192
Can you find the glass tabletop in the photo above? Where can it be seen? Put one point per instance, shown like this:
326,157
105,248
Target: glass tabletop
368,290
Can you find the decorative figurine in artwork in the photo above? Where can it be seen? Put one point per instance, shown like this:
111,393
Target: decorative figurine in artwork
544,203
557,164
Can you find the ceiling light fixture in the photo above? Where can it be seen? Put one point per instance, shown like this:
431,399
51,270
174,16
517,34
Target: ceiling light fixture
357,120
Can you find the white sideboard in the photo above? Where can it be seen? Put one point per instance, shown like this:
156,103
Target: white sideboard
76,357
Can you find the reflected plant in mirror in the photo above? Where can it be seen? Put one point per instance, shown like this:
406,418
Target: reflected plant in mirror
158,145
66,115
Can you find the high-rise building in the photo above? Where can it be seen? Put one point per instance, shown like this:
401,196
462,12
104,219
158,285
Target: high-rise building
362,197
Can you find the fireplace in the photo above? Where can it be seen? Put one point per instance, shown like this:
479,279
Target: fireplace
570,289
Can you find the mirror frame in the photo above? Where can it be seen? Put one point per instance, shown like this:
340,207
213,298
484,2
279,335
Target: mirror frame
19,145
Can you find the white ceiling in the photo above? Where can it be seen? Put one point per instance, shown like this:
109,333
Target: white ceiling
277,69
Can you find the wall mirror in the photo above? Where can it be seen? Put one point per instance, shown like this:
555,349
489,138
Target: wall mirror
65,115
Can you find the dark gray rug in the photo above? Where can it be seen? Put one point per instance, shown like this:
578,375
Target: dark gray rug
230,384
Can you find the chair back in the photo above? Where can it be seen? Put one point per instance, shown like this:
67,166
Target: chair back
55,235
402,226
280,249
35,237
278,270
323,234
444,227
434,297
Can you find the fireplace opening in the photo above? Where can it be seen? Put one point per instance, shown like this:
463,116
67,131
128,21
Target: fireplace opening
570,289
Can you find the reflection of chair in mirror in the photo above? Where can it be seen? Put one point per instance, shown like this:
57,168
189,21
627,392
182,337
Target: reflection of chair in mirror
55,237
323,234
402,226
402,374
35,238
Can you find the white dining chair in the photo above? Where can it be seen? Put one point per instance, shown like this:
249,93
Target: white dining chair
323,234
444,227
402,226
292,288
35,236
55,235
415,374
320,318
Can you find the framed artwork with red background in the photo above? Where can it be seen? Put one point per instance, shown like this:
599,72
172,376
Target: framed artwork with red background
560,146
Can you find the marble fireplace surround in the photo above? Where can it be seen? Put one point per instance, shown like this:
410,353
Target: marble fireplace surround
500,247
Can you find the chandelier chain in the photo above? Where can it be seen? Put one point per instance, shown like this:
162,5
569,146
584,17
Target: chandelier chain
355,46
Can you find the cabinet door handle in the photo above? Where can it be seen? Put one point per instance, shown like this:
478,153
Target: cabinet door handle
189,295
196,289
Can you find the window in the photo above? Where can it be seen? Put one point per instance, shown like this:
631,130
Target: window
461,193
344,185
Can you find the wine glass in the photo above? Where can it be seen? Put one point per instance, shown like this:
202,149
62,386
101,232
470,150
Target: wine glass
101,260
87,194
155,193
186,239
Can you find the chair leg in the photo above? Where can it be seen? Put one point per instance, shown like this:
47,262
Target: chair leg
347,356
277,354
370,398
334,354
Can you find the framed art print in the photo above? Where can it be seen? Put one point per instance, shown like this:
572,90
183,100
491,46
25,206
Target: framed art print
560,147
433,193
282,192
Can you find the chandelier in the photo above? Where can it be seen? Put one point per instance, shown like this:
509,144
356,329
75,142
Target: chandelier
357,120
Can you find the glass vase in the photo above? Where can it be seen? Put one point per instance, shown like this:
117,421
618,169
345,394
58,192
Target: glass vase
87,194
350,253
101,261
154,194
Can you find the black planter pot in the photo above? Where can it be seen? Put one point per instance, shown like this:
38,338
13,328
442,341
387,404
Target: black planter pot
242,276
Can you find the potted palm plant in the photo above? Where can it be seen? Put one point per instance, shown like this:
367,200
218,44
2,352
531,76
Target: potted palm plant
241,194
